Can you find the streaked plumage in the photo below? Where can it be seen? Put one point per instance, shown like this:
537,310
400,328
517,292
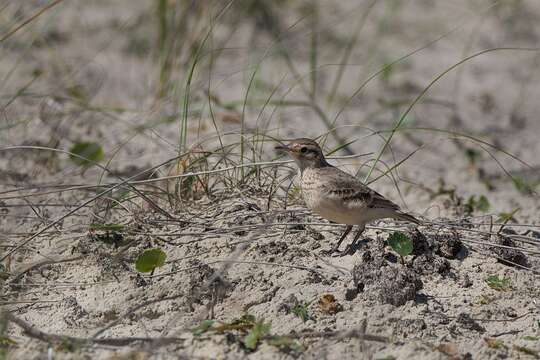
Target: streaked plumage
336,195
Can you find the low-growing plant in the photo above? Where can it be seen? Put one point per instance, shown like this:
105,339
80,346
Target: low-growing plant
484,300
476,204
498,283
252,332
505,217
472,155
301,310
259,330
401,243
286,344
203,327
86,153
150,259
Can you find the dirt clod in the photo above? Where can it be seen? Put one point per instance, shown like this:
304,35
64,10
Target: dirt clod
409,328
447,245
288,304
384,282
506,256
466,322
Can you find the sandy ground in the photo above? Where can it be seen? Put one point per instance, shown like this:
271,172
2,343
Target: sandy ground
89,72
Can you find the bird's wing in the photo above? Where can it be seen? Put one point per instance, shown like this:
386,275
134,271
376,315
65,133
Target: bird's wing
350,191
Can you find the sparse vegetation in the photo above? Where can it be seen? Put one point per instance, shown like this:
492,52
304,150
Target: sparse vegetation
150,259
301,310
142,204
401,244
498,283
86,153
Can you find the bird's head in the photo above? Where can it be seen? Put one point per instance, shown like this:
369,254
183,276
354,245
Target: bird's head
305,152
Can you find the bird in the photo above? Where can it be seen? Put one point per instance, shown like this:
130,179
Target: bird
336,195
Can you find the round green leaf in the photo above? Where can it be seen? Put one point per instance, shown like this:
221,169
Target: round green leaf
150,259
90,151
400,243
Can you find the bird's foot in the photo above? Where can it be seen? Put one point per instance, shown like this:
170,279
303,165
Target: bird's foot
349,250
330,252
335,252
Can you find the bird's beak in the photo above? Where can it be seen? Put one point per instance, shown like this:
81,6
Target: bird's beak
282,148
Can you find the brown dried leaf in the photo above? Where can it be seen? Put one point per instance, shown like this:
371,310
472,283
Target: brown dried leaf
494,343
189,187
329,304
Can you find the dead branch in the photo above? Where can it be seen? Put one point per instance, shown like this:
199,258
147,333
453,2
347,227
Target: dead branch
35,333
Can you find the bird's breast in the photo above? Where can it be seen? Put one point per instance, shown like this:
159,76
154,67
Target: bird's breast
329,208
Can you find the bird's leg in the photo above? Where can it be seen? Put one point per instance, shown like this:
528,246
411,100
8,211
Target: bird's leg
349,247
343,236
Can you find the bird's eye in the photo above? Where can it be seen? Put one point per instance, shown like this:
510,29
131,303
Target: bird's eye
303,150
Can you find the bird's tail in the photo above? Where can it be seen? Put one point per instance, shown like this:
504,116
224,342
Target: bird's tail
407,217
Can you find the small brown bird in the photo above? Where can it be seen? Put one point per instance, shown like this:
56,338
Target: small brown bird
336,195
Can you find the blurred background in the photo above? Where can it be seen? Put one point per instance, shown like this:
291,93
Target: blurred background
442,94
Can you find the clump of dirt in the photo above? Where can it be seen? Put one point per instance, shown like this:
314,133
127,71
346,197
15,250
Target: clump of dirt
199,290
441,244
272,248
506,256
466,322
382,278
288,304
408,327
384,281
431,252
427,264
74,312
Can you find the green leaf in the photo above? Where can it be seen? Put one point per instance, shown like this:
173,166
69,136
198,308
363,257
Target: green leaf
472,155
507,217
89,153
522,186
497,283
400,243
107,227
203,327
482,204
243,323
259,330
150,259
